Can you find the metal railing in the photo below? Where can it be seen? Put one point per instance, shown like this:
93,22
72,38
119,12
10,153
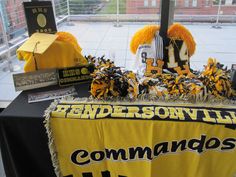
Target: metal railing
13,29
136,10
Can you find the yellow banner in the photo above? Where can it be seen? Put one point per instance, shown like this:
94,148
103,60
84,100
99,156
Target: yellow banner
140,148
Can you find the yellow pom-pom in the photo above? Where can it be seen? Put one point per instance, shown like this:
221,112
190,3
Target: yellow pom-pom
178,31
143,36
68,37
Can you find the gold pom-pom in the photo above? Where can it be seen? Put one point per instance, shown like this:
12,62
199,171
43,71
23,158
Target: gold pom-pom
216,79
99,89
133,85
178,31
68,37
143,36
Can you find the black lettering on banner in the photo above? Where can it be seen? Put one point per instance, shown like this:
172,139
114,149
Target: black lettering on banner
97,155
214,145
114,154
83,154
68,176
87,174
176,145
196,144
141,153
104,174
229,144
161,148
199,145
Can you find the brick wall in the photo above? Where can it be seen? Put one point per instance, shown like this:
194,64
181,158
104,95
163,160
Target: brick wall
204,7
15,13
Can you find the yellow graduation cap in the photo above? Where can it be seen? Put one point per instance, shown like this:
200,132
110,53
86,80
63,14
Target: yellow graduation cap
50,51
38,43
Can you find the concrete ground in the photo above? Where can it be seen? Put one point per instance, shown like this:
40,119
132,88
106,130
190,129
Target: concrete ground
104,39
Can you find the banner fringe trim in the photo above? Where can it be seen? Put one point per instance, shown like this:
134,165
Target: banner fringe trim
51,145
152,100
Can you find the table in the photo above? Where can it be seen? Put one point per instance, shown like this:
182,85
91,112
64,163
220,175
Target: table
23,137
24,142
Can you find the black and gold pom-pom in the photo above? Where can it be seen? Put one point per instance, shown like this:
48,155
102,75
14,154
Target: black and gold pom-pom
216,79
110,81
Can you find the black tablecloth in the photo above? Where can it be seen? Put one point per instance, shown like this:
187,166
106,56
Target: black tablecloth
23,138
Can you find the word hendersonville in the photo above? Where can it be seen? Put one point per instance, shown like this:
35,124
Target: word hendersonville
176,113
